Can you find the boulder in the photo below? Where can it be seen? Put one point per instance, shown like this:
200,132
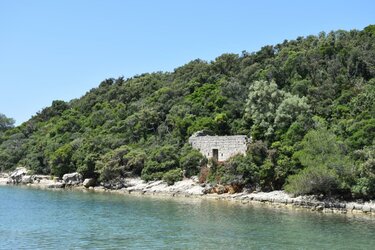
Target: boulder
72,178
89,182
16,176
26,179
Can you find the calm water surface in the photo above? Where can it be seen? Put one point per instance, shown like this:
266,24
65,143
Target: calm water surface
42,219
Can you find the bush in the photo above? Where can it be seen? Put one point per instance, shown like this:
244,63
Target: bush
87,166
152,176
221,173
135,161
61,160
365,184
312,180
172,176
160,161
191,162
111,165
364,188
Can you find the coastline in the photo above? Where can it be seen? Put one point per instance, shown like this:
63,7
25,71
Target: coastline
191,189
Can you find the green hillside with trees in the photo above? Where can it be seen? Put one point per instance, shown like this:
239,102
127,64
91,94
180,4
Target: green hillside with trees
308,104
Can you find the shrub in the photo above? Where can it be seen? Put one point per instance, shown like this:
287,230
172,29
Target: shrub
111,165
172,176
312,180
61,160
160,161
135,160
365,184
191,162
87,166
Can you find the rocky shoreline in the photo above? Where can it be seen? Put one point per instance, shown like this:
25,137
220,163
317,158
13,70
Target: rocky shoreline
190,188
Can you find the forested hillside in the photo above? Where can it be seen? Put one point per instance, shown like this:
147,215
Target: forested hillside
308,104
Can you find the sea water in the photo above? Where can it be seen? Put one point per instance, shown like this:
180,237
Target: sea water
44,219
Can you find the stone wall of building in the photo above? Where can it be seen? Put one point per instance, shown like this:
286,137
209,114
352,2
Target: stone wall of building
220,147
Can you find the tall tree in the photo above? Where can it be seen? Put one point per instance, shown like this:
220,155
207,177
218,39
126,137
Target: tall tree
263,101
5,122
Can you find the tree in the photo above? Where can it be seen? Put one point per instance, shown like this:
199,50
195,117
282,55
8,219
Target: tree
327,167
370,29
12,151
270,108
263,100
62,160
6,123
365,184
289,109
191,161
160,160
272,94
112,164
313,180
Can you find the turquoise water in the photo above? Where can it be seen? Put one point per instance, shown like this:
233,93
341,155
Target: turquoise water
42,219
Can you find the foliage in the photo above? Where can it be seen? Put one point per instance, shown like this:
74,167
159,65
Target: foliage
121,162
5,123
269,108
308,104
313,180
289,109
172,176
263,101
161,160
327,167
216,171
365,184
191,161
61,160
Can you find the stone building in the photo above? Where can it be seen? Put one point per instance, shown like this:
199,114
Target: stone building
220,148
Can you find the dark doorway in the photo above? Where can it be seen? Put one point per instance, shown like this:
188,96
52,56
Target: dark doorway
215,154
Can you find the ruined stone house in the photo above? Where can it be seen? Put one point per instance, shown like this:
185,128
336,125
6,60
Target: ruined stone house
220,148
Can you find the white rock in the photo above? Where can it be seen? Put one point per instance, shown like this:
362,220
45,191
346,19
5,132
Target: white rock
72,178
16,176
26,179
88,182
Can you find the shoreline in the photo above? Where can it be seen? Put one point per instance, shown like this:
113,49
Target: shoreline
190,189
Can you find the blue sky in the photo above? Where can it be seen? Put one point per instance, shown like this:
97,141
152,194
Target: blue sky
58,50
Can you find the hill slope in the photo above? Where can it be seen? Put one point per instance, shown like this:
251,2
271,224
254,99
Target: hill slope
308,104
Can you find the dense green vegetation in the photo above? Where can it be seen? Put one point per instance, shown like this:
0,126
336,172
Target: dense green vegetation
309,105
5,123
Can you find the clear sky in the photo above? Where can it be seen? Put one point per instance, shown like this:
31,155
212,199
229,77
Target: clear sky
58,50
